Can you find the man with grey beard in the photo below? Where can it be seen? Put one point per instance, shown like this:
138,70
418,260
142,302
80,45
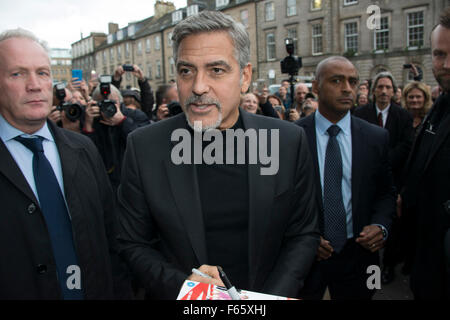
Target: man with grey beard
178,215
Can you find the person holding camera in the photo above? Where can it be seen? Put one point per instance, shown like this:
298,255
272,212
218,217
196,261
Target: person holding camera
108,123
146,100
167,102
69,108
295,112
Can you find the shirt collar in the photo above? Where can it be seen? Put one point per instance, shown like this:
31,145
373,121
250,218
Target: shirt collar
8,132
322,124
384,111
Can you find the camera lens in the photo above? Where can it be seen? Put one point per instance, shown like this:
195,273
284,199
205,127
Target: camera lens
73,111
108,108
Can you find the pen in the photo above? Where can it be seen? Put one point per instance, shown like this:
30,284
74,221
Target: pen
199,273
230,288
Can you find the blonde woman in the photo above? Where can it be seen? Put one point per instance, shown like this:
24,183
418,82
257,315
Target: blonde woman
416,98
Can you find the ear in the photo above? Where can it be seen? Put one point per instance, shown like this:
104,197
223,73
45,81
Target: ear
246,78
315,87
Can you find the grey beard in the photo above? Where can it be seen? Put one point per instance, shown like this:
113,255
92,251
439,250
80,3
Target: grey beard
193,99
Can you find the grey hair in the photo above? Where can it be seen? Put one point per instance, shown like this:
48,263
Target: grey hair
22,33
381,75
97,96
323,63
209,21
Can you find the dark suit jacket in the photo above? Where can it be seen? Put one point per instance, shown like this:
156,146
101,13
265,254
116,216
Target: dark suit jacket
424,200
373,192
27,266
162,230
401,134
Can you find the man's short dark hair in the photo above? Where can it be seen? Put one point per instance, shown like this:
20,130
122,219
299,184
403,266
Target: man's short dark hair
444,20
160,93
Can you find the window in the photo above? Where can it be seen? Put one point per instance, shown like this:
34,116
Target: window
147,45
292,33
244,18
169,39
158,69
317,46
149,71
120,35
127,50
348,2
192,9
415,29
316,4
177,16
270,44
119,52
139,47
171,66
291,7
157,43
269,11
221,3
131,30
382,35
351,37
111,54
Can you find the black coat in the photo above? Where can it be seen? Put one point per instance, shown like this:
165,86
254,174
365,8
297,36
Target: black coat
27,265
401,134
162,228
425,204
111,140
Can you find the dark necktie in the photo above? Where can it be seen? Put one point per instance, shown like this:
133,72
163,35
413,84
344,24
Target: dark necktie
335,222
56,215
380,119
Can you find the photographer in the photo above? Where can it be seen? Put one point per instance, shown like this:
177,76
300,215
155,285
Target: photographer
167,102
108,123
68,109
61,94
264,104
146,96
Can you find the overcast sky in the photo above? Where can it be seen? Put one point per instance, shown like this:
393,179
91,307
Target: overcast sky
60,22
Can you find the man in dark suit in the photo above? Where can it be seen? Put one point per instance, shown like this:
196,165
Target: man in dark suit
426,193
57,223
357,197
398,122
175,216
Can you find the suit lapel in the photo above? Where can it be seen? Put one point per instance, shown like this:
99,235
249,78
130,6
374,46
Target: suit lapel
358,160
9,168
441,136
310,130
261,190
69,156
372,114
390,119
185,189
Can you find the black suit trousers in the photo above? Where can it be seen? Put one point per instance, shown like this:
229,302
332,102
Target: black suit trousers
345,275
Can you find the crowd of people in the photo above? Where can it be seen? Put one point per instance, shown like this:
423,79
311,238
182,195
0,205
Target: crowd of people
87,180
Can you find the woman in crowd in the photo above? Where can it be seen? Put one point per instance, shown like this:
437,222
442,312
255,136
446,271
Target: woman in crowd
250,103
416,99
277,104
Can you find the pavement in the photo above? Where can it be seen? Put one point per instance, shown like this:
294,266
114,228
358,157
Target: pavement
397,289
